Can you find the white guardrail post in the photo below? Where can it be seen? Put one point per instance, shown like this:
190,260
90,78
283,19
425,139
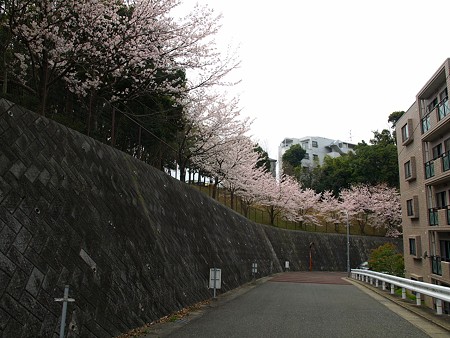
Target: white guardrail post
438,292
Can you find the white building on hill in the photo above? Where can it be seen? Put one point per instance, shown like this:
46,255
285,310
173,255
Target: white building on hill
316,149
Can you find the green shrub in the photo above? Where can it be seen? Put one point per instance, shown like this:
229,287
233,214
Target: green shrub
386,259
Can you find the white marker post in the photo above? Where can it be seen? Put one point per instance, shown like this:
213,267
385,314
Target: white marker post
64,309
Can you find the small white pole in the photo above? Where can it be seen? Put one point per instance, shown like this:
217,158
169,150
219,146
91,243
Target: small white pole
403,293
418,300
65,299
392,289
384,285
348,248
214,283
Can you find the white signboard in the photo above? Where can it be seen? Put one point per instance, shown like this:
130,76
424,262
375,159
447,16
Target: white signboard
215,274
254,268
286,265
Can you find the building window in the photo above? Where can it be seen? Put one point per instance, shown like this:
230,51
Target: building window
437,151
441,199
446,157
315,157
443,104
405,133
444,95
314,144
408,171
445,250
410,207
412,247
306,156
432,104
409,168
447,144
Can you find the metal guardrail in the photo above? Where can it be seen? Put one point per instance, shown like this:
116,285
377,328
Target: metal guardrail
438,292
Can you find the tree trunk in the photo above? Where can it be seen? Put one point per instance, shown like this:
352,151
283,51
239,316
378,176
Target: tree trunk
272,215
182,165
182,173
245,208
43,83
5,80
214,190
361,227
5,68
92,118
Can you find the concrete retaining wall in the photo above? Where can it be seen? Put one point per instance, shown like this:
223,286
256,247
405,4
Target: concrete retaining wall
132,243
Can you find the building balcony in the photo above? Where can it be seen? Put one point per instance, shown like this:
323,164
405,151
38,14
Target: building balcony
435,123
437,171
439,219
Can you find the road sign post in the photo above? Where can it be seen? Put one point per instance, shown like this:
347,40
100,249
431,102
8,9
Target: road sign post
254,269
215,280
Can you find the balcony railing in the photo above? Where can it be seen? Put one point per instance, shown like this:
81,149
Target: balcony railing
429,169
433,217
443,109
434,120
426,123
446,161
436,266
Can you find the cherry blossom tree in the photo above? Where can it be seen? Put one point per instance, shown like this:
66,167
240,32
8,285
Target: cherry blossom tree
251,187
357,202
212,125
93,45
51,34
275,196
378,206
302,207
387,209
330,210
233,164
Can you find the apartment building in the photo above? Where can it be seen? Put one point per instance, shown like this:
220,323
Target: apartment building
423,142
316,149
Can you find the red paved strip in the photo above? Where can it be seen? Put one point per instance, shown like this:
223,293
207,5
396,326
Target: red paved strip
313,277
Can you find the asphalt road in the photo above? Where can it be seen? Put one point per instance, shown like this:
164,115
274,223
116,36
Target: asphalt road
293,309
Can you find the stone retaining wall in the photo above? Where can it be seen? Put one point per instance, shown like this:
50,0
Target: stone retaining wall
133,243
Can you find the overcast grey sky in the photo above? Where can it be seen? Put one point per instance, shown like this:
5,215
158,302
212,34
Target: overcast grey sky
330,68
